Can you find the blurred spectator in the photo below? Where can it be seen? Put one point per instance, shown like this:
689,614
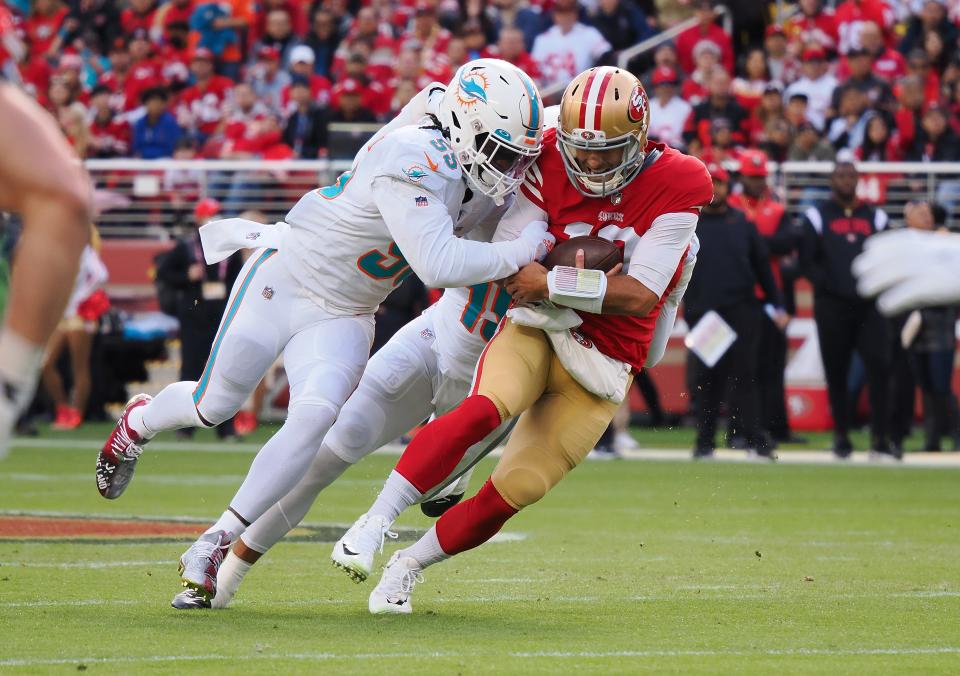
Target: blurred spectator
95,23
301,63
323,39
182,186
568,47
511,48
732,260
127,87
306,129
851,15
749,86
931,345
370,34
706,55
109,133
278,36
817,84
474,43
426,31
200,106
888,63
781,64
169,14
719,105
666,55
514,14
931,19
860,75
907,116
668,112
348,103
267,78
834,232
845,131
935,140
770,108
296,16
69,73
211,21
138,16
242,109
918,65
775,227
809,146
878,145
812,23
155,135
175,55
706,29
73,123
777,137
621,23
202,296
42,26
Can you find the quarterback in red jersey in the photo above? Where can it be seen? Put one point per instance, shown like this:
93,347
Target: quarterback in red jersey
597,175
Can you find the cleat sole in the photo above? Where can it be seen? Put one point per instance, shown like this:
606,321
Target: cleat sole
357,576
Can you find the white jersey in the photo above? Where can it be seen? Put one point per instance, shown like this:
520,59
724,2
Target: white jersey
350,244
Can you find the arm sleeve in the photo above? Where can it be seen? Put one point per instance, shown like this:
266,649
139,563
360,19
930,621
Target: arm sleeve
425,236
658,253
521,213
668,311
760,261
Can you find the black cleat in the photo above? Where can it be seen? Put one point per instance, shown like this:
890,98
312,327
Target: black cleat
842,448
435,508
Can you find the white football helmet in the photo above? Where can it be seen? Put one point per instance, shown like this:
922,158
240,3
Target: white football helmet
494,116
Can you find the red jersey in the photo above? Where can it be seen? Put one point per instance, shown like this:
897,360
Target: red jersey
822,29
130,21
320,91
204,107
110,138
41,30
689,39
852,14
890,65
675,183
766,214
128,88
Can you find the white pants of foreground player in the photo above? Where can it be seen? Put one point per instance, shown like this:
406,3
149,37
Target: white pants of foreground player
267,314
401,386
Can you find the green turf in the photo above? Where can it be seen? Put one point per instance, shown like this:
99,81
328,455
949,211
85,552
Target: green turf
626,567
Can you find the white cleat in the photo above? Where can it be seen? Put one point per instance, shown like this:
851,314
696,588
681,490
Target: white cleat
392,595
354,552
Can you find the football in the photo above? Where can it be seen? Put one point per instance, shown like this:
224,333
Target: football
598,253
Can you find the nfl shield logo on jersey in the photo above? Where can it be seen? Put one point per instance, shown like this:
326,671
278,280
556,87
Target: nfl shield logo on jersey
420,201
268,292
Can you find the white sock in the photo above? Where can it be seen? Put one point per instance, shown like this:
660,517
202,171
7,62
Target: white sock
19,366
229,522
231,574
427,550
172,409
397,494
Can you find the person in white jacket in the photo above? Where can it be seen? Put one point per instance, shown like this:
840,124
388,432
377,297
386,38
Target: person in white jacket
311,292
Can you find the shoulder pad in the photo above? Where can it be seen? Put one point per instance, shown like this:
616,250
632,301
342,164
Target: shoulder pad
418,156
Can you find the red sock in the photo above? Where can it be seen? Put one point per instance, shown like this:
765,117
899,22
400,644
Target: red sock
435,451
473,521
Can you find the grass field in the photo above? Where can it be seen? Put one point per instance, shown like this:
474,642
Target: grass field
626,567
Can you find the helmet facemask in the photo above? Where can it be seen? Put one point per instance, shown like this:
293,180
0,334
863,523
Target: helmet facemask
495,167
605,182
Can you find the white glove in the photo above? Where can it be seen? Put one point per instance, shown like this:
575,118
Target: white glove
909,269
534,243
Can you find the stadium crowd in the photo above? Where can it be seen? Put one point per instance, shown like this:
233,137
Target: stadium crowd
866,79
245,79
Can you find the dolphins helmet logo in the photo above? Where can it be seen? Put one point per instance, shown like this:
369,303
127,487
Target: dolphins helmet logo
471,88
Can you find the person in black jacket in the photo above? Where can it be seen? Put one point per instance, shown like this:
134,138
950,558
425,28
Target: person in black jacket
203,299
306,129
833,235
732,260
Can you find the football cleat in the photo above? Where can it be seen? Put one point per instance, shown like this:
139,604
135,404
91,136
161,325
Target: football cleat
190,599
201,562
353,553
392,594
118,458
436,507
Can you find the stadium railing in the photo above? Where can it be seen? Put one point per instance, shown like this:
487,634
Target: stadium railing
155,198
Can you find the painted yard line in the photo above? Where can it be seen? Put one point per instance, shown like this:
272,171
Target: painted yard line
310,657
83,564
163,479
68,604
805,458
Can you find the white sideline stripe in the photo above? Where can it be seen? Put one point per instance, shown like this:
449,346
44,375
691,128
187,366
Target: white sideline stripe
806,458
83,564
787,652
66,604
162,479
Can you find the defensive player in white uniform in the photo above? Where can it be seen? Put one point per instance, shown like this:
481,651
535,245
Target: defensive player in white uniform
312,293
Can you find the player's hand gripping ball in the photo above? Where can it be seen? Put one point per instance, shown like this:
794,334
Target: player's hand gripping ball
598,254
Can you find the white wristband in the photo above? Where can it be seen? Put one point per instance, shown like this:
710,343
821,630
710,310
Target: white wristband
577,288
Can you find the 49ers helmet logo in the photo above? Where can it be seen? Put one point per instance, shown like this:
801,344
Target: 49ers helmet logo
637,110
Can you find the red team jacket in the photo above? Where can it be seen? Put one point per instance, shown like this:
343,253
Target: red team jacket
675,183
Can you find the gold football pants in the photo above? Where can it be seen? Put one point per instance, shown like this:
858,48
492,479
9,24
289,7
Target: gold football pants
560,421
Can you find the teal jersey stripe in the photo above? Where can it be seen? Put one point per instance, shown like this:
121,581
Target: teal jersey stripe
231,313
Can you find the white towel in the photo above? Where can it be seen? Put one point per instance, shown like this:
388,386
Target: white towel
599,374
220,239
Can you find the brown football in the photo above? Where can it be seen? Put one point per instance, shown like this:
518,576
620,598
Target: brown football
598,253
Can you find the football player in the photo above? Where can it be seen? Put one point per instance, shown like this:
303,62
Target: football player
43,181
311,292
598,175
